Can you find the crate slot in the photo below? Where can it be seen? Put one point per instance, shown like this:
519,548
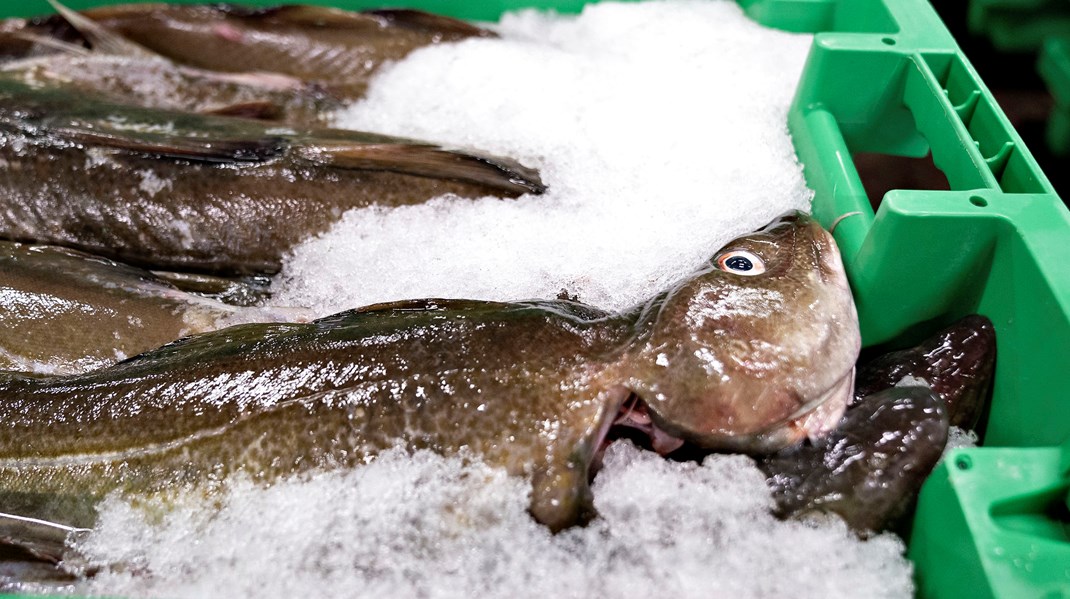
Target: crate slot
966,108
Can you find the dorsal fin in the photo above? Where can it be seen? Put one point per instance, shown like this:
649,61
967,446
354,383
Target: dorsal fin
429,161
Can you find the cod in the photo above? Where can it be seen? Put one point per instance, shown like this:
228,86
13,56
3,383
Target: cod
752,352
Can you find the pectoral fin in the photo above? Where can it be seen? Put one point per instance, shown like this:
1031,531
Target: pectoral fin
561,496
428,161
42,539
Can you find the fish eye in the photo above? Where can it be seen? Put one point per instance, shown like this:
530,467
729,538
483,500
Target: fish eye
741,262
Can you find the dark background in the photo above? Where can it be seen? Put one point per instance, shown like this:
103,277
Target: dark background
1017,87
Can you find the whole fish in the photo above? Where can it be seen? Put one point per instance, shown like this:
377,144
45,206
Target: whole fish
741,355
870,469
66,312
125,72
182,191
337,49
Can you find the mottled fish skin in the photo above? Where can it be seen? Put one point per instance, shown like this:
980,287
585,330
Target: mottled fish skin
957,362
529,386
66,312
870,469
337,49
180,191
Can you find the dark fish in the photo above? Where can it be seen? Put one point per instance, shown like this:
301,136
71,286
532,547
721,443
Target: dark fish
739,355
870,469
957,362
66,312
181,191
337,49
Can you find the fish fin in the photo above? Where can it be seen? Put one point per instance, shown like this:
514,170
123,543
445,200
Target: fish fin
100,38
102,134
261,110
50,42
406,307
44,540
428,161
561,497
425,21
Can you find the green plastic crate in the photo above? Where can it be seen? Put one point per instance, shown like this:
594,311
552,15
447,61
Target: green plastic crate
885,76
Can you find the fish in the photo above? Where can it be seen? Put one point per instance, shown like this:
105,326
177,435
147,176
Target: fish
957,362
119,70
66,312
739,356
869,470
337,49
171,190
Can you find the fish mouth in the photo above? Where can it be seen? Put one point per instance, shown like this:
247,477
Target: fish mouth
634,422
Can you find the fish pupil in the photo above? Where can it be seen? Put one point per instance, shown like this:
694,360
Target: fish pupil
738,263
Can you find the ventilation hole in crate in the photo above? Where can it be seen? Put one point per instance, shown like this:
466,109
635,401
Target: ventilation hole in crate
881,173
888,41
963,462
978,201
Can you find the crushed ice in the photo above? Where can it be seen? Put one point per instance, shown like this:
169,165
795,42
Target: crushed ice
661,130
429,526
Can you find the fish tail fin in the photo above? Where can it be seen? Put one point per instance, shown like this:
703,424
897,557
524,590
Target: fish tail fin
429,161
100,38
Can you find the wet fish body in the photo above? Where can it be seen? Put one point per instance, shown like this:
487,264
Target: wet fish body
66,312
529,386
181,191
337,49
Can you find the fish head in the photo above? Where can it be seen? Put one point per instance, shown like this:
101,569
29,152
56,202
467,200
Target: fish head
755,350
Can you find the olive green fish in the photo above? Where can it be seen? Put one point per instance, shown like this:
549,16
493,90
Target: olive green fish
190,192
337,49
66,312
752,352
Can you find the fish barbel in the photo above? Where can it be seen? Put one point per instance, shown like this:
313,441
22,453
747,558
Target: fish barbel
748,353
181,191
337,49
66,312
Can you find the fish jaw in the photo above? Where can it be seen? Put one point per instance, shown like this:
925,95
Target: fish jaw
745,363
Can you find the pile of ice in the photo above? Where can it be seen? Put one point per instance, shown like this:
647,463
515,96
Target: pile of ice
660,128
428,526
